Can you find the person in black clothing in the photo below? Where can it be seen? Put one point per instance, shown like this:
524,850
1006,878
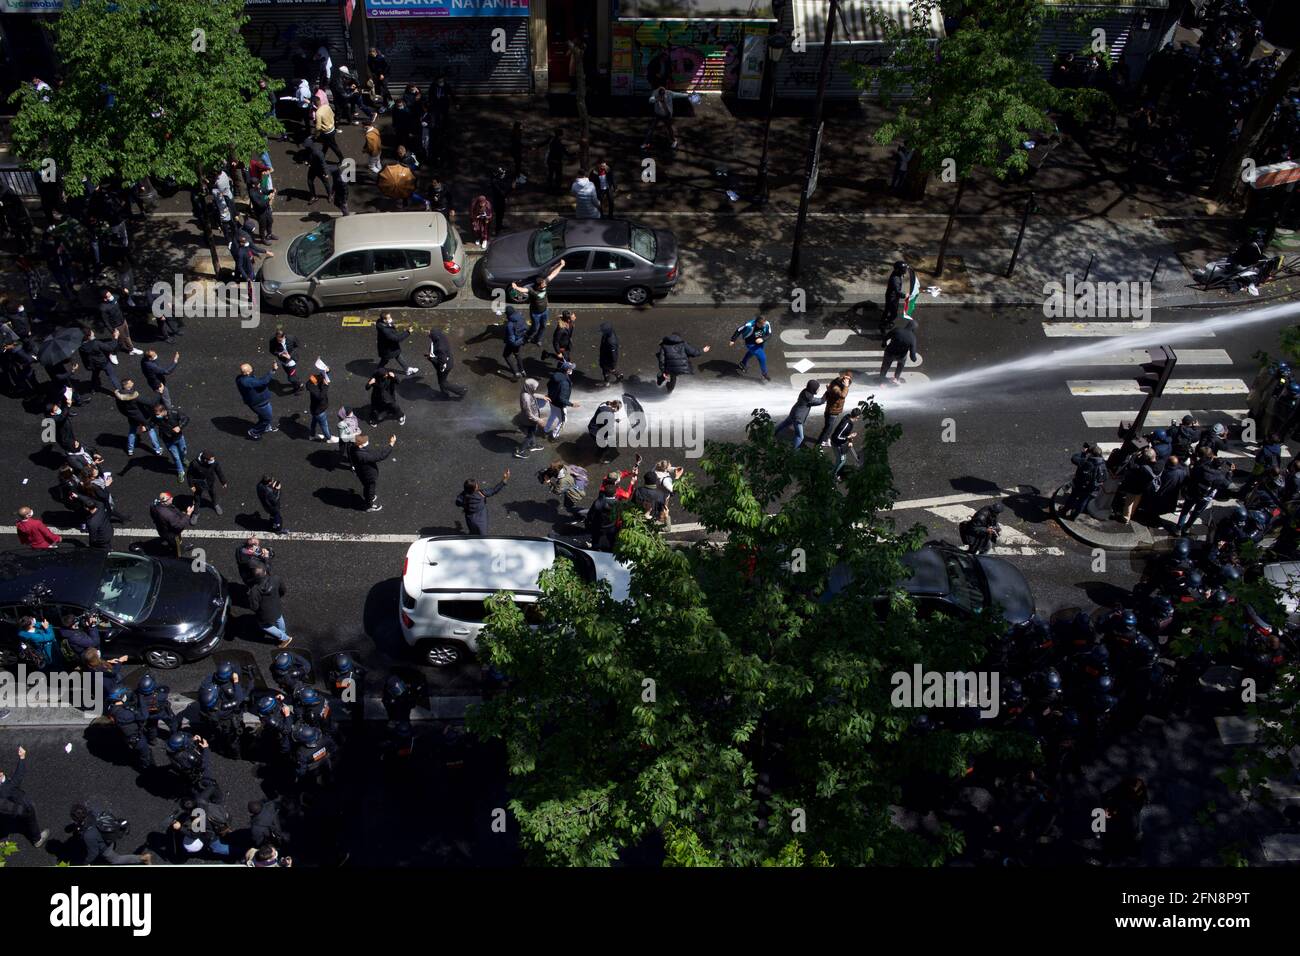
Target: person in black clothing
250,556
99,526
609,349
95,356
562,338
171,522
444,360
265,826
317,168
674,357
156,374
285,349
390,341
365,461
472,501
318,392
99,831
499,189
803,405
268,493
1208,480
896,292
64,436
265,597
204,475
982,528
339,189
602,517
260,203
16,808
1089,476
899,344
556,154
383,398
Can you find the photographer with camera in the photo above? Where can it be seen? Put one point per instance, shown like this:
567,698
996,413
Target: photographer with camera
99,831
268,494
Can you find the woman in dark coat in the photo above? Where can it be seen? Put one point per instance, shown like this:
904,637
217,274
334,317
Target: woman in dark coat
383,398
473,503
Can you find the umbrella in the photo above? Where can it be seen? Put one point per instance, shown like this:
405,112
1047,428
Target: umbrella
396,181
60,346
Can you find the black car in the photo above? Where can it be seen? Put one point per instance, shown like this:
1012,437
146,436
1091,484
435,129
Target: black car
603,258
948,580
160,610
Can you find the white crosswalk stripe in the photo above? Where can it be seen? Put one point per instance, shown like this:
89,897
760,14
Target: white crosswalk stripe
1135,357
1249,452
1157,418
1105,330
1186,386
1013,541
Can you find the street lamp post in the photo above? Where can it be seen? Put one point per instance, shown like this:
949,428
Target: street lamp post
775,47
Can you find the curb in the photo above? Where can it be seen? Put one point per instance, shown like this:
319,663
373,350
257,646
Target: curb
1137,537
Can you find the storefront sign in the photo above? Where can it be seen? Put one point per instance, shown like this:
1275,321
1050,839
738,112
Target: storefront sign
754,53
31,6
621,71
446,8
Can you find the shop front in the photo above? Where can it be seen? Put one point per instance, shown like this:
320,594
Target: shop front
285,35
697,45
480,46
26,42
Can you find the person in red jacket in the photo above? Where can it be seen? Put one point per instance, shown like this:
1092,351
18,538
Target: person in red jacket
34,532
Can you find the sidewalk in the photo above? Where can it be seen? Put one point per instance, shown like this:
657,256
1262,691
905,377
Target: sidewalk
736,253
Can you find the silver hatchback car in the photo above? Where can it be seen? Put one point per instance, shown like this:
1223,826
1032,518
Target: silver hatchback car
370,258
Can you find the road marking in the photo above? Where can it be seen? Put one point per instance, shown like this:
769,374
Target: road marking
800,337
1113,419
831,353
216,534
1187,386
357,322
870,363
1138,356
948,500
1104,330
1013,540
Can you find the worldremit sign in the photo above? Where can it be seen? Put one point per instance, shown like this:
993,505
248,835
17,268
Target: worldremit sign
446,8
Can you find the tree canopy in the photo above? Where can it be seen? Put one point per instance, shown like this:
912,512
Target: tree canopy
150,88
735,711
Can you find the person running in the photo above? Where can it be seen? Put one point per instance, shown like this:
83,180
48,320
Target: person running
16,807
842,439
803,405
171,425
559,390
674,358
139,417
836,394
535,410
754,333
443,360
472,501
349,431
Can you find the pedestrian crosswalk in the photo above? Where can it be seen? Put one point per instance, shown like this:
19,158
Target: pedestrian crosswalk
810,355
1011,543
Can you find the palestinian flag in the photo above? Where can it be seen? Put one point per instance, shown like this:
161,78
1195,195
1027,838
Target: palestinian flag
914,294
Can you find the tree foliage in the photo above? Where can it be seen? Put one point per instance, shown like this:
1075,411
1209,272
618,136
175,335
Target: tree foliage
977,94
735,705
151,88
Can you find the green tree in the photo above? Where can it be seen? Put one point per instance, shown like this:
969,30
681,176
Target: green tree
151,88
735,704
971,100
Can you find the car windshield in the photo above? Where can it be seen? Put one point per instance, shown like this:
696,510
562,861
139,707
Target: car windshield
963,581
643,243
582,563
548,242
127,589
313,249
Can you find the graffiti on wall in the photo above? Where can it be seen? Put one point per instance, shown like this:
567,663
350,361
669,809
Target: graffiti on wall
696,54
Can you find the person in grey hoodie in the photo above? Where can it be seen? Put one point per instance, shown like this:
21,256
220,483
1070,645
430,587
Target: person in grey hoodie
798,416
534,409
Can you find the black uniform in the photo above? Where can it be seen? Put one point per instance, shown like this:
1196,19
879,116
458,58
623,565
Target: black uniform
444,360
131,724
982,530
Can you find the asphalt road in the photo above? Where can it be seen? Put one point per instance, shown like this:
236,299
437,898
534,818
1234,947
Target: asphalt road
1007,432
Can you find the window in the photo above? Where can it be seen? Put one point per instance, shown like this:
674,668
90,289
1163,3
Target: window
127,588
548,242
471,612
963,582
389,260
308,252
348,264
418,258
603,260
452,244
643,243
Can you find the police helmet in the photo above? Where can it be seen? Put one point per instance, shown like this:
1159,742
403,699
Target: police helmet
266,703
117,695
1219,598
395,686
1144,649
343,663
178,742
1104,683
1240,514
1161,435
1195,579
1293,388
1230,573
224,672
147,685
1182,548
1130,620
307,734
208,698
1050,679
282,662
308,696
1070,719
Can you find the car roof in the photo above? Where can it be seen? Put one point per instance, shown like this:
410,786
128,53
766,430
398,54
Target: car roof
605,233
368,230
66,576
485,563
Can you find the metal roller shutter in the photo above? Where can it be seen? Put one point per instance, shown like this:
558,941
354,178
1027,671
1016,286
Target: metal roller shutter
419,48
279,33
1060,34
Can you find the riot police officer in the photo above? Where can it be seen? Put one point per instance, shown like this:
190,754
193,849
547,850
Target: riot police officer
124,712
1282,411
228,674
346,679
230,720
276,733
290,671
314,709
313,756
156,707
191,761
1265,384
399,698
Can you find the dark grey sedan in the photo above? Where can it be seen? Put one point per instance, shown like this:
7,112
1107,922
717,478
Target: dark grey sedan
603,258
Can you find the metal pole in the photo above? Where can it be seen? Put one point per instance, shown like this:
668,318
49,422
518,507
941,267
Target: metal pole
824,74
1155,272
1024,221
1091,260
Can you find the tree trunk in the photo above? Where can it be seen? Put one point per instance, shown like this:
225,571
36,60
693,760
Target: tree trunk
1228,180
947,232
578,72
207,226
